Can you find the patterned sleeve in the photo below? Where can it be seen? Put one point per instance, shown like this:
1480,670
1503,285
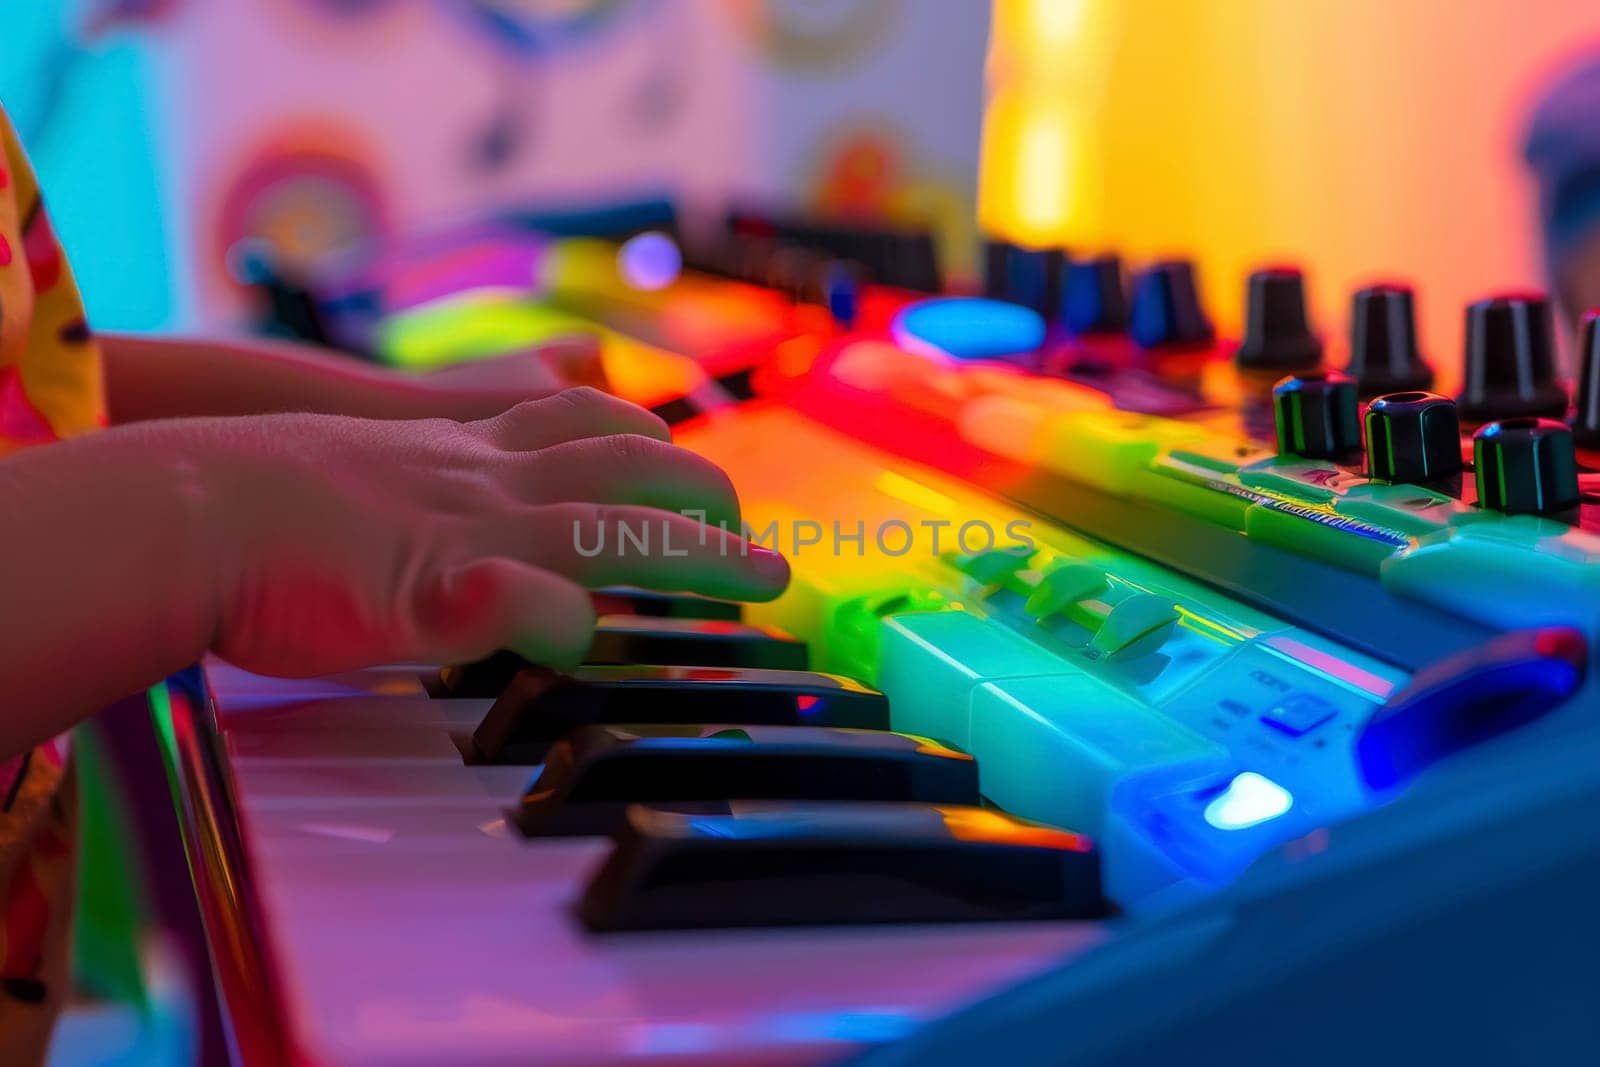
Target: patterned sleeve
50,388
50,377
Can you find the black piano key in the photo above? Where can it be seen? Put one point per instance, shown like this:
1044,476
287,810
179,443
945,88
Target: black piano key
626,600
540,705
621,639
761,863
593,772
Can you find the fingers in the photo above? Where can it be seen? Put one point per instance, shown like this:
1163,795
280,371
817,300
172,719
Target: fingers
574,360
629,469
471,610
570,415
599,544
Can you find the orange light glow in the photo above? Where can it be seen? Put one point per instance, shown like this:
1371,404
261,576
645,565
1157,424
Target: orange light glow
979,824
1362,139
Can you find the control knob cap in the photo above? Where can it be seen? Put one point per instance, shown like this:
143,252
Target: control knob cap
1165,309
1318,415
1510,360
1277,336
1413,437
1092,297
1383,341
1586,419
1525,466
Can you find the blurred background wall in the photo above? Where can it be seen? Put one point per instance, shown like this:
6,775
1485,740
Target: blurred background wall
1364,138
80,91
321,122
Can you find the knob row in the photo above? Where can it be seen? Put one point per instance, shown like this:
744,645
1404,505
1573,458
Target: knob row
1524,465
1509,360
1509,354
1160,309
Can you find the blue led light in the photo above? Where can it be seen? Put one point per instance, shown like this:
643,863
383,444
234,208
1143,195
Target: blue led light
649,261
1249,800
968,328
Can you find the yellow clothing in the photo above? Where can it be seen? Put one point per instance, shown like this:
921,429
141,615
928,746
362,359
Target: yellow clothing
50,388
50,378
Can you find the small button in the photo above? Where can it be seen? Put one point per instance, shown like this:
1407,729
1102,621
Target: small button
1136,626
993,566
1299,714
1062,586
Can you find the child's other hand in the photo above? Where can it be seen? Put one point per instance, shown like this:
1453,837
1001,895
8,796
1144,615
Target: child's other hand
341,542
484,388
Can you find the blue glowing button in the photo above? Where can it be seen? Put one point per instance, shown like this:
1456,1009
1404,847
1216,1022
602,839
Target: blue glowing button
1299,713
1214,823
1249,800
968,328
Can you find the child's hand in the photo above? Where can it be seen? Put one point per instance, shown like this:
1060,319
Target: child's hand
341,542
306,544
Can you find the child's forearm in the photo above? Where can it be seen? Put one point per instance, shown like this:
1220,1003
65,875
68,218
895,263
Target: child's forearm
157,378
106,577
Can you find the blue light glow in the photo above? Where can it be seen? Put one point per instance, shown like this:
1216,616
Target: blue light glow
968,328
1249,800
649,261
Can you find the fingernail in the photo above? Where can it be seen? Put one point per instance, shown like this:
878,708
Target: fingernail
769,564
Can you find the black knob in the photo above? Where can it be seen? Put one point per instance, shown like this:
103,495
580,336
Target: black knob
1586,419
1383,341
1276,336
1165,310
915,262
1525,466
1027,276
1413,437
1318,414
1092,297
1511,360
